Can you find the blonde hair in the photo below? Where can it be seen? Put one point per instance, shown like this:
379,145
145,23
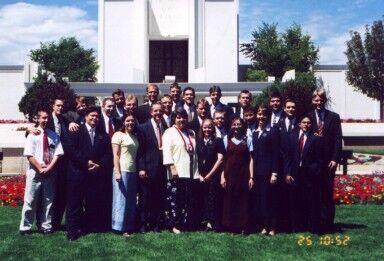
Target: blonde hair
321,93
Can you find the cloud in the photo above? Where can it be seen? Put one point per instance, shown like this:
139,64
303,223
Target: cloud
23,26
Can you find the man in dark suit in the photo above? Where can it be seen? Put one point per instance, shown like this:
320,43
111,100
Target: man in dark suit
189,102
175,94
215,95
244,101
152,172
327,125
89,169
275,104
107,123
303,173
118,97
201,109
167,103
144,111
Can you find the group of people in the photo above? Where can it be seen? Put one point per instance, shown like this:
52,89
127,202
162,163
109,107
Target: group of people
173,164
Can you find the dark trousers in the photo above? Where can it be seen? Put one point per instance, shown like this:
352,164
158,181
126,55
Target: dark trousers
304,203
327,202
60,198
152,198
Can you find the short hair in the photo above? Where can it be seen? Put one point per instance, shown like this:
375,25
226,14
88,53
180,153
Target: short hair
175,85
107,99
91,109
217,112
166,96
53,101
202,101
249,109
131,97
215,88
189,88
303,117
179,112
156,103
117,92
288,100
80,99
245,92
321,93
152,85
40,111
275,94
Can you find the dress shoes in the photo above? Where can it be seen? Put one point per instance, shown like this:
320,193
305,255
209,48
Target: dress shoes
25,232
47,231
73,237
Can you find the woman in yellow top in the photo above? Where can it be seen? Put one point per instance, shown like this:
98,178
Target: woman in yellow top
125,147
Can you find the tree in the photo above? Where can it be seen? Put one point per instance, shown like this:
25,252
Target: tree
299,90
58,64
366,62
253,75
277,53
66,59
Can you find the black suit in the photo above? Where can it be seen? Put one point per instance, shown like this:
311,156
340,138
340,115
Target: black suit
115,122
87,190
143,113
304,192
59,200
221,107
194,125
332,146
153,188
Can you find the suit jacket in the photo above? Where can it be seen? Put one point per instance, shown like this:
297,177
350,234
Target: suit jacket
311,158
284,140
116,123
222,107
150,158
143,113
194,125
81,151
265,152
117,116
332,135
63,128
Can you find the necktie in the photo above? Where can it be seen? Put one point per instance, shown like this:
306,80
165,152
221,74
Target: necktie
92,135
321,127
46,157
190,115
301,144
274,120
290,126
158,136
110,128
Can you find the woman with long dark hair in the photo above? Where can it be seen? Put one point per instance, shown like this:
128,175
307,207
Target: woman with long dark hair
125,148
237,177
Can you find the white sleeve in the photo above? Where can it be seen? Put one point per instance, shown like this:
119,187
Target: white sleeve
167,140
59,149
29,148
249,144
225,141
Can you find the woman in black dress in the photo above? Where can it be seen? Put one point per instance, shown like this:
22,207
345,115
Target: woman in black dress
210,154
265,156
237,177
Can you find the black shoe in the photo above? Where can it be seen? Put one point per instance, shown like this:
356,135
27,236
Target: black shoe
46,231
143,229
73,237
25,232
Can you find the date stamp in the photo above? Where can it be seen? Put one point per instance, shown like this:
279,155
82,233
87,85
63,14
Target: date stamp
325,240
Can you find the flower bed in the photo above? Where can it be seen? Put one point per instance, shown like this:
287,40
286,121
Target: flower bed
359,189
12,191
355,189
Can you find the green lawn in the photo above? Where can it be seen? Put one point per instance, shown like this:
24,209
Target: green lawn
369,151
362,224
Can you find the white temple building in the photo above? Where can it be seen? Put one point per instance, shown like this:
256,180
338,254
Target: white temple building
146,40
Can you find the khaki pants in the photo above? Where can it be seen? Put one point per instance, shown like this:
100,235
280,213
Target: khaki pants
36,185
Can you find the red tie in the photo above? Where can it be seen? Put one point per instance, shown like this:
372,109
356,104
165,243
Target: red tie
158,136
321,127
110,128
301,143
46,157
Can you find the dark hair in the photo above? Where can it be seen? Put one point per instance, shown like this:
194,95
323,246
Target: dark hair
41,110
288,100
166,96
275,94
117,92
215,88
243,128
179,111
189,88
122,128
90,109
249,109
200,134
107,99
219,111
81,99
266,110
245,92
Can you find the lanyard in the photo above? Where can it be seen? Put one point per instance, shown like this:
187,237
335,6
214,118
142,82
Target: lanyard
189,146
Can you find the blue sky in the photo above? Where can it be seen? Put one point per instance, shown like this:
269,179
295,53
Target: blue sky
23,25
